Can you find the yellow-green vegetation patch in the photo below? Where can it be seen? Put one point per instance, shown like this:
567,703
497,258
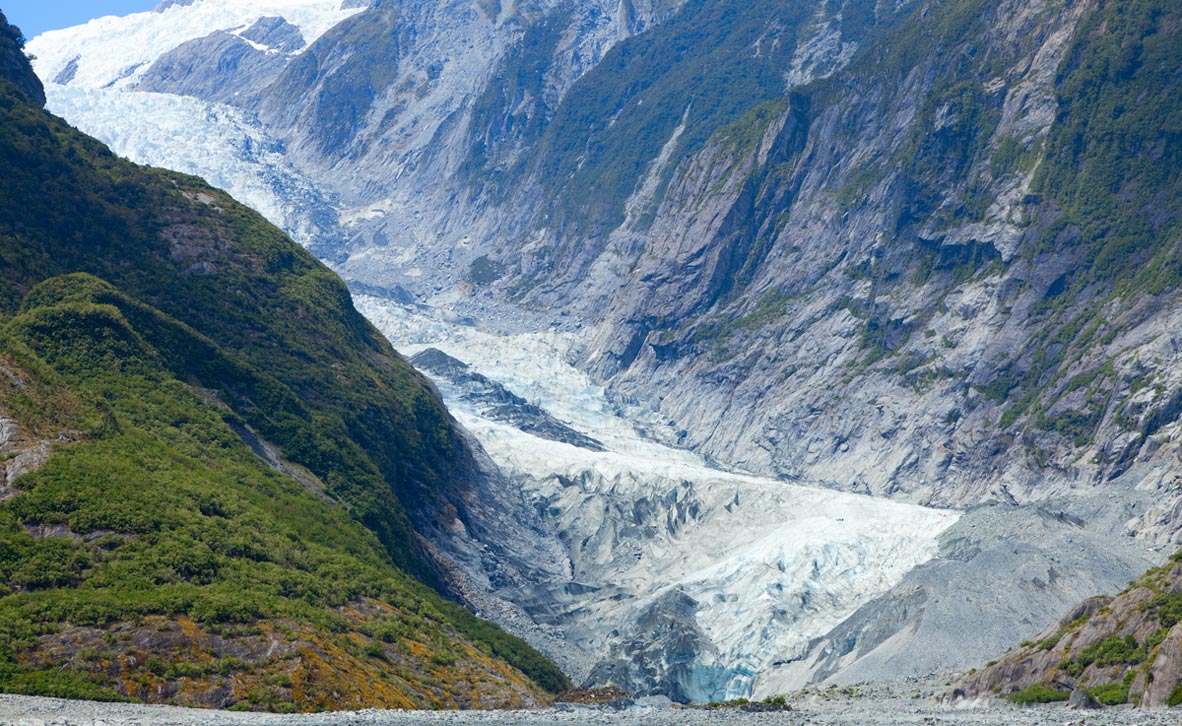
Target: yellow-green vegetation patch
1111,694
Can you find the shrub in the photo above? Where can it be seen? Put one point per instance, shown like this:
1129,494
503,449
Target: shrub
1113,650
1111,694
1175,697
1037,694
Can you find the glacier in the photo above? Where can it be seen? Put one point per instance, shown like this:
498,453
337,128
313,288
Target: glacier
90,74
217,142
749,569
684,578
113,52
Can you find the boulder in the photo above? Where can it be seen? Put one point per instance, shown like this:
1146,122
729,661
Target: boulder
1082,699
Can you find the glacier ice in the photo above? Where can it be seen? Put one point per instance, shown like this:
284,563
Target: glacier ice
214,141
90,73
753,567
112,52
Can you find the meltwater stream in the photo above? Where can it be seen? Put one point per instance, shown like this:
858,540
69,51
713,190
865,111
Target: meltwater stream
681,578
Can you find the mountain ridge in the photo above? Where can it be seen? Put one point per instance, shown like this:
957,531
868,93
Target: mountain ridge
185,474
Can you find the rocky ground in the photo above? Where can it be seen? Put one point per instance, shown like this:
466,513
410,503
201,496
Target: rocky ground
813,709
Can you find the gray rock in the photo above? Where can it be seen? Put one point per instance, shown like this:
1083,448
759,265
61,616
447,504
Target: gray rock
275,33
498,402
1001,575
166,4
219,67
1081,699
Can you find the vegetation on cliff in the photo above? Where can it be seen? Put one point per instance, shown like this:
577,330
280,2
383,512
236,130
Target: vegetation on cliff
207,458
1126,649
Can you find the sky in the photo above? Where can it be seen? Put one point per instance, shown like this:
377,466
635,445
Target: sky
36,16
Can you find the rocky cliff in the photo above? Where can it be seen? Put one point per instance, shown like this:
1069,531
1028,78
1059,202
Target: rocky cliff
1123,649
934,275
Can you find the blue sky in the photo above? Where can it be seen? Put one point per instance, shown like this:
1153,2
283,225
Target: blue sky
37,16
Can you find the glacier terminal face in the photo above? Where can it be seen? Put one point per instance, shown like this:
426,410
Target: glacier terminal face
684,578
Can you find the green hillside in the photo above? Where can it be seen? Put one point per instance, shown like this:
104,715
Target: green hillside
210,458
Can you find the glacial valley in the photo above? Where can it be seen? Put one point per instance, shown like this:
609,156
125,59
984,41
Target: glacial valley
805,358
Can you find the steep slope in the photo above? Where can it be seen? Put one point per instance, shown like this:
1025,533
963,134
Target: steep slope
195,424
151,554
951,292
1123,649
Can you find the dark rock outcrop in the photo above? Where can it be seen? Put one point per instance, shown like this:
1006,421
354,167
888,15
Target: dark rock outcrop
219,67
166,4
275,33
498,402
1081,699
14,65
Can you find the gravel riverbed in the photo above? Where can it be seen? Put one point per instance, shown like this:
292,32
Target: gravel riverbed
814,711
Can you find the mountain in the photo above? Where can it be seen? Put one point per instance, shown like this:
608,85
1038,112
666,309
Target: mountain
942,274
211,466
951,261
919,250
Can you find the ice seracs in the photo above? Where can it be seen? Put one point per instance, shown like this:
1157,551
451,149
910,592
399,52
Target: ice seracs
684,579
210,140
91,71
112,52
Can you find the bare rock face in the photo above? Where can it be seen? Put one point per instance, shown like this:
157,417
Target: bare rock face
9,430
1163,677
166,4
20,453
1001,572
241,68
760,310
275,33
